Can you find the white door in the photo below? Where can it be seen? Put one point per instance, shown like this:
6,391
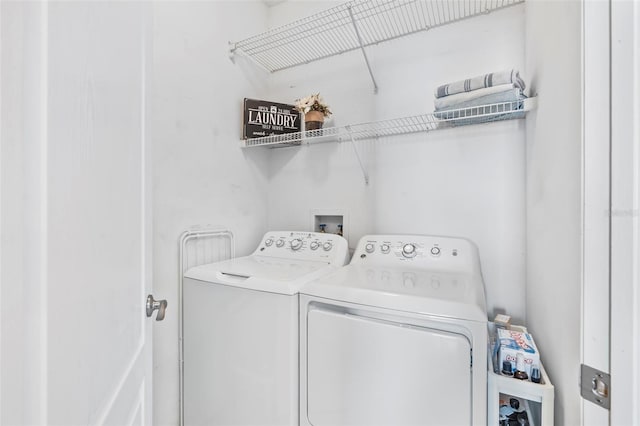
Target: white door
625,212
84,341
611,285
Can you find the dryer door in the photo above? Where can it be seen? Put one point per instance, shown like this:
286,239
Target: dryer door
367,371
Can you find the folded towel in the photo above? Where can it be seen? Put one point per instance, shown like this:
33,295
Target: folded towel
480,82
449,101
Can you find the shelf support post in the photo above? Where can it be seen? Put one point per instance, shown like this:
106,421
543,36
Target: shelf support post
364,53
232,52
355,150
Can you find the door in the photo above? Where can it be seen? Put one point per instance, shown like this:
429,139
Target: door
80,193
625,213
368,371
611,284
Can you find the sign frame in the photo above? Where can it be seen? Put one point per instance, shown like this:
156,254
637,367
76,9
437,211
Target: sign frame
267,118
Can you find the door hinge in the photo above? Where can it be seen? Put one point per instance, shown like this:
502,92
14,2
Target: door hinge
595,386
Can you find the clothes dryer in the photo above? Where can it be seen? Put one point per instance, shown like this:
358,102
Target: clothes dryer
398,337
241,330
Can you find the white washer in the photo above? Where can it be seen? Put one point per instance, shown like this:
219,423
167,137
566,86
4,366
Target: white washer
398,337
241,330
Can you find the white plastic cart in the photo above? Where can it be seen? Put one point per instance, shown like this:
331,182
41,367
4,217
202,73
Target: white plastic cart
537,397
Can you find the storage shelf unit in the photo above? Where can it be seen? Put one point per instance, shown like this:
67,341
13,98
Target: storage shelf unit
355,25
538,397
399,126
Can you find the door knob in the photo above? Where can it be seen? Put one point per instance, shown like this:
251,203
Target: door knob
156,305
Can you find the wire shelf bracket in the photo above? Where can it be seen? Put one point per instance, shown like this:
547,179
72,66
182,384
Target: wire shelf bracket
364,54
355,150
354,25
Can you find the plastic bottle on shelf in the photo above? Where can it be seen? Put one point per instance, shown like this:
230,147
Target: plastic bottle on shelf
520,371
507,368
322,226
535,373
339,230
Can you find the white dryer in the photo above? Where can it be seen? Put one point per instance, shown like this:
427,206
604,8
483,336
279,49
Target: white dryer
241,330
398,337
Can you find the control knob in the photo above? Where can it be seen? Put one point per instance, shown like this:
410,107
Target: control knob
314,245
296,244
327,246
435,251
408,250
279,243
369,248
268,242
385,248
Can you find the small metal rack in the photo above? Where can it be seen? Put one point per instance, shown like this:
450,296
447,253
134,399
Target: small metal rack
197,246
355,25
399,126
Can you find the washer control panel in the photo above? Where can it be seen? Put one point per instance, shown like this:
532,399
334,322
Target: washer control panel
448,253
318,246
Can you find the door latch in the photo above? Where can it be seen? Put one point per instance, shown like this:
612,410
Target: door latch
156,305
595,386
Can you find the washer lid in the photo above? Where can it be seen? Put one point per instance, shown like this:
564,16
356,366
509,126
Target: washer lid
264,273
442,293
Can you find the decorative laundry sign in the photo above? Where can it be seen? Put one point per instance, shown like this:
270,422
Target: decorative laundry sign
265,118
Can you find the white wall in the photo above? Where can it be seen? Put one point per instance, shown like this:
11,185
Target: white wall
467,182
201,176
554,196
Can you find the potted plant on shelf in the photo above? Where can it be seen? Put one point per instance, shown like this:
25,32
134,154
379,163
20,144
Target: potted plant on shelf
314,110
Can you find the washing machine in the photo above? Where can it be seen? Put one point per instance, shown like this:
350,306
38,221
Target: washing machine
240,330
397,337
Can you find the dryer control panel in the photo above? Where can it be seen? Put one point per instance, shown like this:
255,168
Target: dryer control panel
418,251
313,246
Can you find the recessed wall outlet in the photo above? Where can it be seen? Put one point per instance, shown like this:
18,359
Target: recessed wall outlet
330,221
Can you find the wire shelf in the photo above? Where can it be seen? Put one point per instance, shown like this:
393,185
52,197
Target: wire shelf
399,126
354,25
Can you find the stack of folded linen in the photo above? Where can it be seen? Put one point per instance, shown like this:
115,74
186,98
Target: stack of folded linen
503,90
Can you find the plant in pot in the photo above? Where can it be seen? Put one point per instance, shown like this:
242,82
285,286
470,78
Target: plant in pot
314,110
